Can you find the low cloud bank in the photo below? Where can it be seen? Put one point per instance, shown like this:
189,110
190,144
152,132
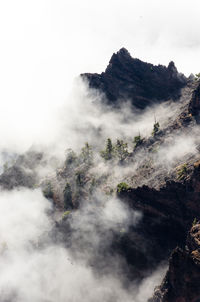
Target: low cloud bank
33,268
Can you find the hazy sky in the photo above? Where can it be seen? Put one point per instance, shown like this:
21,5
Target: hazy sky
44,45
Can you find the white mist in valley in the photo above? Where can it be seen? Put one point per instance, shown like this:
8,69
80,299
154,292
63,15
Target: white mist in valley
34,268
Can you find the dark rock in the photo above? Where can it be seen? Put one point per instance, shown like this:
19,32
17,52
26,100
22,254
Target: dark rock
142,83
194,106
167,215
181,283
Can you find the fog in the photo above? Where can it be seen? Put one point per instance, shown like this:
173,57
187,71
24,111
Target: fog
44,106
35,263
46,44
33,268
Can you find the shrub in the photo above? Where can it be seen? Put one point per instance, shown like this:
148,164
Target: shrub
122,187
156,128
182,171
65,214
137,141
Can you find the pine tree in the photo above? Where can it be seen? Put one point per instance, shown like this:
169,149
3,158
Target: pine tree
87,154
68,204
107,154
121,150
71,157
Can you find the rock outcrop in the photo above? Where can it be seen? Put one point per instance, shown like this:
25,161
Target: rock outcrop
194,106
181,283
167,215
142,83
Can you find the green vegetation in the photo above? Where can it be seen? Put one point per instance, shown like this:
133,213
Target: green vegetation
79,178
194,221
137,141
87,154
156,128
118,151
122,187
108,153
68,204
121,150
65,214
182,171
197,76
71,157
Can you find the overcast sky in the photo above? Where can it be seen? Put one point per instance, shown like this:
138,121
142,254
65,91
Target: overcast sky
44,45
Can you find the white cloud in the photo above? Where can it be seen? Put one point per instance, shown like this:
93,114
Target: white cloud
45,44
36,270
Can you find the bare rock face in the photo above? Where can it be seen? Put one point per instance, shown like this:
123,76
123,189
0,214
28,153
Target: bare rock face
194,106
168,214
181,283
142,83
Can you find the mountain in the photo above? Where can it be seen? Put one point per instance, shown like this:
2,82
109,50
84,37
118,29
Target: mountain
143,84
151,177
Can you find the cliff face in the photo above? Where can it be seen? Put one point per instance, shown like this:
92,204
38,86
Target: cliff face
167,215
181,283
194,107
141,83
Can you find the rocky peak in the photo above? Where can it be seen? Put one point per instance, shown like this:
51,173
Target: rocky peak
172,66
143,84
121,57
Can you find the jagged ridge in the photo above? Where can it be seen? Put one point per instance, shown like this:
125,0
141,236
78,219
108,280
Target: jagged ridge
141,83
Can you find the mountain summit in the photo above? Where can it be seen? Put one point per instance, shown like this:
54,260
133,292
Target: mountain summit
127,78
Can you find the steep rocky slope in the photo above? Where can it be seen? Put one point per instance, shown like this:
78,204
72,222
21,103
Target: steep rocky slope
181,282
167,197
159,177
